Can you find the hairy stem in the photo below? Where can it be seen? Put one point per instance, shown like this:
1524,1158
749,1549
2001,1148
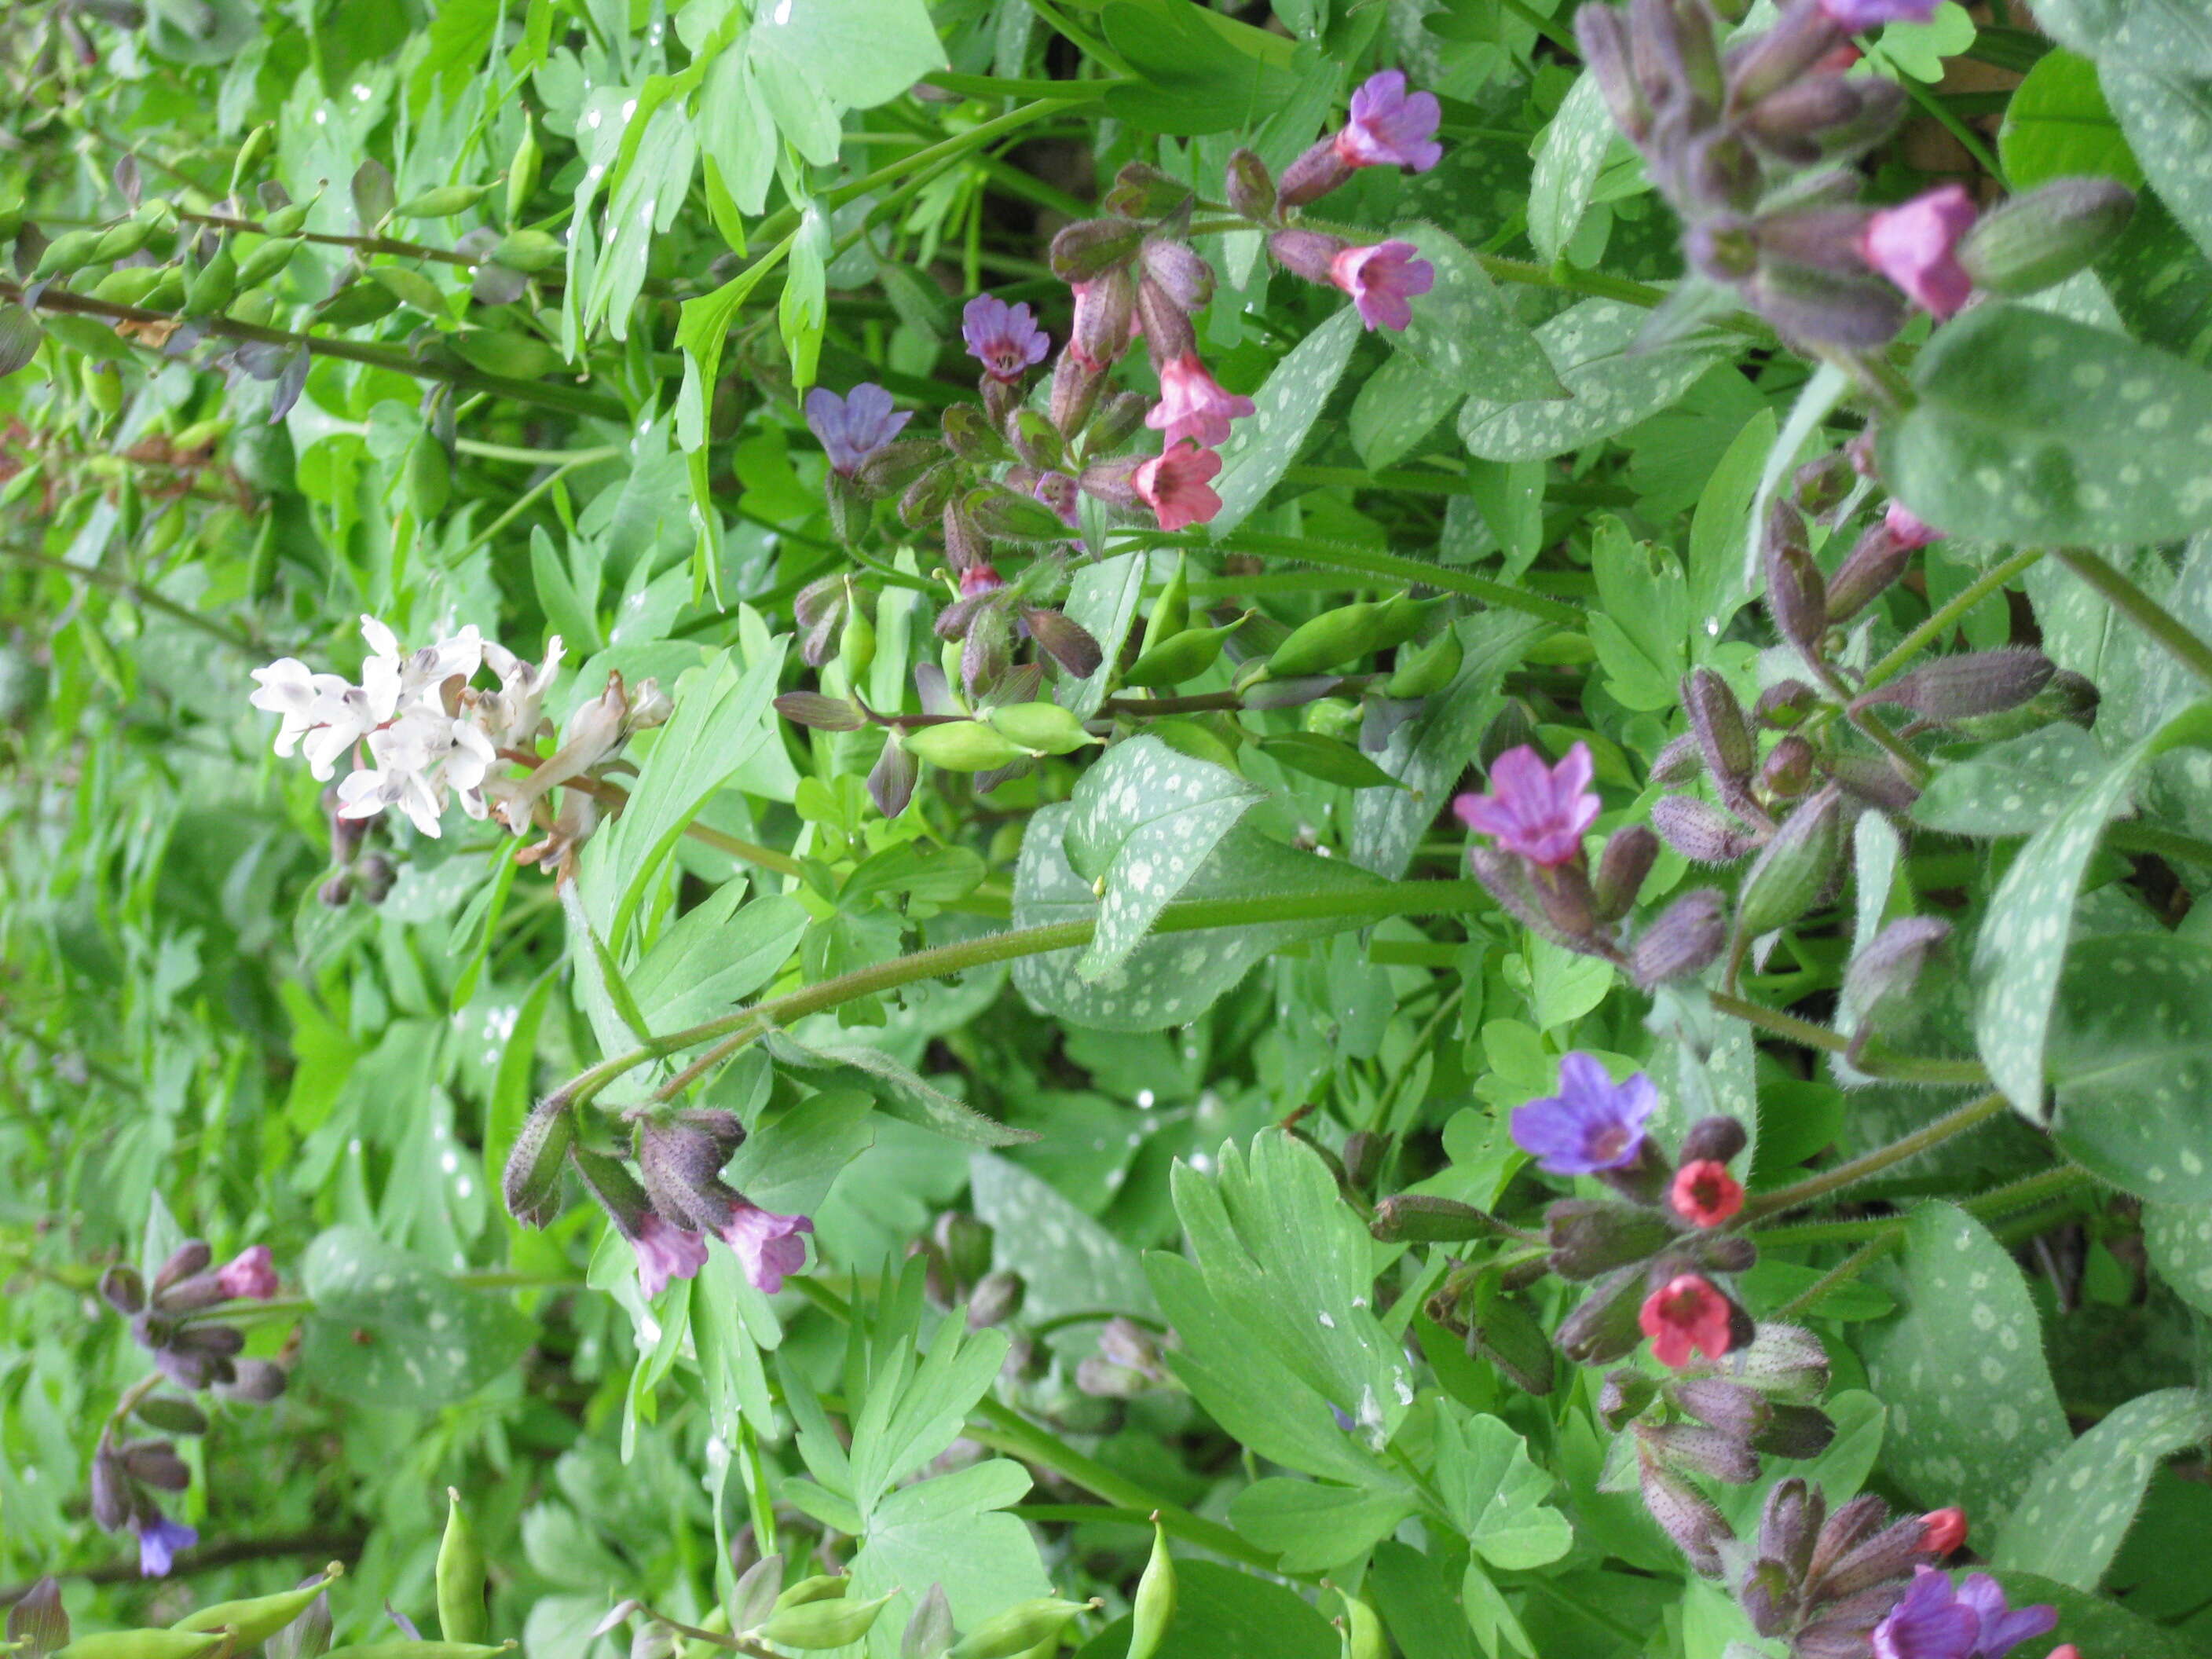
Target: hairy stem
1946,617
2139,608
142,595
1948,1126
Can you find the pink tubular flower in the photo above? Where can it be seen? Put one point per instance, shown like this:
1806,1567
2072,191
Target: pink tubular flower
769,1245
1908,527
1858,15
979,579
1003,339
1687,1313
1535,811
1943,1531
664,1251
1382,279
1704,1194
1389,127
1193,405
250,1276
1916,245
1177,485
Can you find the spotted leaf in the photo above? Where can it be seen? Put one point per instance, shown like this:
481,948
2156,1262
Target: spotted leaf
1609,386
1262,446
2070,1525
2130,1064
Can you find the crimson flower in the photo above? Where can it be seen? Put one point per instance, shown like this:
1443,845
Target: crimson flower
1916,245
1193,405
1704,1194
1686,1314
1943,1531
1177,484
1536,810
1382,279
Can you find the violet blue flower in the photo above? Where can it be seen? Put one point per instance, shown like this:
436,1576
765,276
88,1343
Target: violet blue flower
1381,280
1177,485
250,1275
1591,1124
769,1245
1193,405
159,1541
1389,127
1536,810
853,427
1916,245
1005,339
2002,1627
1858,15
664,1251
1930,1623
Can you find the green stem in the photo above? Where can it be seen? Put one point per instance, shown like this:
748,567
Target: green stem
140,594
1367,561
1951,1125
1946,617
1969,140
1842,1273
2024,1194
2139,608
1529,274
1906,1069
366,244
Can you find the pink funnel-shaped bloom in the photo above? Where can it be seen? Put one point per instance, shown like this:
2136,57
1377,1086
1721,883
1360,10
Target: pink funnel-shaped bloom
1382,279
1704,1194
249,1276
1005,339
1684,1314
770,1246
1389,127
1908,527
1192,405
1177,485
1916,245
1535,811
664,1251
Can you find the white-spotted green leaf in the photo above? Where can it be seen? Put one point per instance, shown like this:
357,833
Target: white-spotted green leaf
1068,1261
2097,1624
1314,1525
1262,446
1609,387
2013,787
2130,1058
1102,599
2022,943
2178,1237
389,1329
1972,1414
1714,1069
1461,332
898,1093
2173,35
1144,820
2034,429
1496,1494
2070,1525
1399,405
1569,155
2168,120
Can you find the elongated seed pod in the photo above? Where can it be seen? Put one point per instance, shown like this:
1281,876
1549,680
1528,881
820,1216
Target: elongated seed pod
1153,1610
460,1576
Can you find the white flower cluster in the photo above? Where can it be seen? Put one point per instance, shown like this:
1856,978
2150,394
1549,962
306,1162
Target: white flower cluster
421,733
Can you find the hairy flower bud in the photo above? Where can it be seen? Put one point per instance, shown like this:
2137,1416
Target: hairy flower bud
1796,1431
1168,333
1684,1514
1506,1332
1627,859
1091,248
188,1259
1687,939
2043,237
1768,1598
1625,1396
1790,1523
1699,831
1601,31
1794,868
1971,683
1787,771
124,1289
1410,1218
1251,192
1716,1140
1680,759
1786,1361
1713,1452
110,1489
1603,1327
1717,721
1875,779
1876,561
1186,279
1785,704
1593,1236
1801,36
1797,596
1306,254
1890,961
1076,383
531,1183
1890,1553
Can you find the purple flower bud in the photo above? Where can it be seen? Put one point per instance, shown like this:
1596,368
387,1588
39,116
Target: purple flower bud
1069,643
1391,127
1674,47
252,1382
1873,780
1785,704
1767,1597
188,1259
1712,1453
1088,249
1383,280
1534,811
250,1276
1896,1549
1076,383
1876,561
1717,720
1916,245
1005,339
892,780
1787,771
155,1463
1892,960
1604,1327
1790,1523
2045,236
996,1298
124,1289
1680,759
1604,41
1684,1514
1700,832
110,1489
1796,595
1319,170
1250,191
816,713
1687,939
1803,35
1307,254
1825,308
1622,867
1184,277
854,427
1715,1139
1971,683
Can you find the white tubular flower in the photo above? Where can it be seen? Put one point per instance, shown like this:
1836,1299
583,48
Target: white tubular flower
302,699
394,679
511,715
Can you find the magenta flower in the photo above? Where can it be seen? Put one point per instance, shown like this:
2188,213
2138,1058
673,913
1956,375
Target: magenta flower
1388,128
1177,485
1005,339
979,579
159,1541
769,1245
1382,279
853,427
1916,245
250,1275
1909,529
1192,405
1536,810
664,1251
1591,1124
1685,1316
1858,15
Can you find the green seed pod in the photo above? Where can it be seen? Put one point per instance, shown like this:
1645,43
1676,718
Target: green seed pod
856,644
442,202
406,1650
1363,1631
822,1587
2034,240
128,286
201,434
1401,619
254,1621
1428,669
257,145
429,478
1153,1610
103,388
460,1576
1018,1629
1039,727
522,171
167,292
121,241
1329,641
1171,610
212,287
67,253
144,1644
824,1624
286,221
254,309
1179,656
527,250
1788,875
961,746
268,261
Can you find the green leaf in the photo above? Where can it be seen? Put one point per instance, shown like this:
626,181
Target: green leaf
2174,35
1188,78
2129,1056
1313,1525
1609,387
2022,942
1068,1261
2058,125
2069,1524
2034,429
2167,119
2096,1624
1496,1495
1262,446
1918,49
2179,1239
1397,406
1642,616
898,1093
1102,600
389,1329
1330,759
1463,335
1972,1414
715,956
860,53
1416,1600
2013,787
1717,586
1568,154
1221,1612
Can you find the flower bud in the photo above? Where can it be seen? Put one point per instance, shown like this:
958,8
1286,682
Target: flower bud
1180,274
1890,1553
1091,248
1625,1396
1003,515
1944,1531
1725,1253
925,498
124,1289
1711,1452
1787,771
110,1489
1674,44
1794,868
1627,859
1600,32
1716,1140
1801,37
996,1298
531,1183
1876,561
967,1243
1118,418
1963,686
1593,1236
888,471
188,1259
1564,892
1796,597
1251,192
1875,779
1786,1361
1076,384
1700,832
1310,177
1794,1431
1735,1407
1306,254
2034,241
1603,1327
1070,644
1790,1523
1826,307
1785,704
1424,1217
1684,1514
1143,191
1680,759
1892,961
155,1463
1717,720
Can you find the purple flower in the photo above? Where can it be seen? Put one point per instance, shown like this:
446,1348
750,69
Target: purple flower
249,1274
2002,1628
1382,279
159,1541
1003,339
664,1251
1536,810
1858,15
1389,128
1930,1623
1193,405
1916,245
769,1244
1591,1124
854,427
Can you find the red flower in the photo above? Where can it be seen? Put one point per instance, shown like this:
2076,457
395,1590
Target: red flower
1177,485
1704,1194
1687,1313
1943,1531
